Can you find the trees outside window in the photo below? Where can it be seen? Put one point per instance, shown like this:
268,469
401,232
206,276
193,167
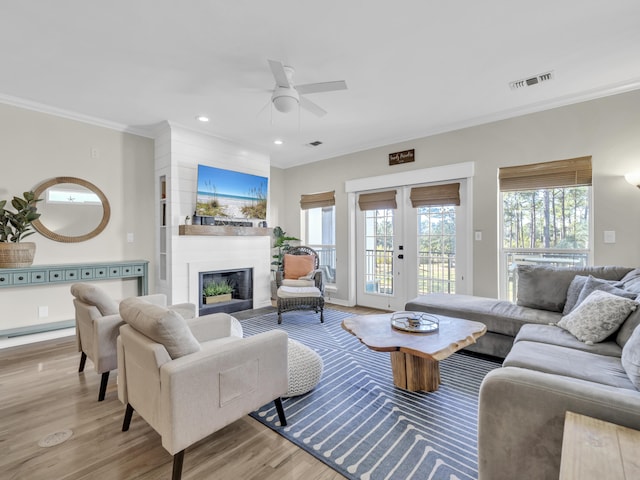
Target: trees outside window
546,226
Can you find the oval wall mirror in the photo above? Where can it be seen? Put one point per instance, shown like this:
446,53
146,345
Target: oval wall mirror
72,210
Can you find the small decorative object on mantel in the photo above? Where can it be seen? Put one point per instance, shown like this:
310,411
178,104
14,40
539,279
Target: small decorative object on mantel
415,322
402,157
217,292
187,220
14,226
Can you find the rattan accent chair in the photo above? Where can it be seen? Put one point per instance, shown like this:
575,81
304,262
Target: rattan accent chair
300,284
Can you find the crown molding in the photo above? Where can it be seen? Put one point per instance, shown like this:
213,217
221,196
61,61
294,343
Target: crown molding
70,115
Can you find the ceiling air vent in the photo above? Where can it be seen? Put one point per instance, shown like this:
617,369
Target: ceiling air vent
315,144
529,82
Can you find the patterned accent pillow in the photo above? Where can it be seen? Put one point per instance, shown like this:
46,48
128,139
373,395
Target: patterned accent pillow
598,316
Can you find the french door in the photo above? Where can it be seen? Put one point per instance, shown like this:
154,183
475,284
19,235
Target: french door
405,251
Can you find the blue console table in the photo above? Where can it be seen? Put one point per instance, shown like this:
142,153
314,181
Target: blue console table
79,272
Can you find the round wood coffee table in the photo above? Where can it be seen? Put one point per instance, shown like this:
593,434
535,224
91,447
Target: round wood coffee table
414,356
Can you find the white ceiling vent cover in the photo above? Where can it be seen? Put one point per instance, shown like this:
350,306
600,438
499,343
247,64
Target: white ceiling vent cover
531,81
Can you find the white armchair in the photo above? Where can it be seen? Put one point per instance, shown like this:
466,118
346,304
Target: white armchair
97,327
188,379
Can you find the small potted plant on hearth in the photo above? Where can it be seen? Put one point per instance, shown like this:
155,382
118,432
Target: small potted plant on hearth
216,292
15,226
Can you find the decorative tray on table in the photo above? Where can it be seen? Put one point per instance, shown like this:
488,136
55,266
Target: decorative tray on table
415,322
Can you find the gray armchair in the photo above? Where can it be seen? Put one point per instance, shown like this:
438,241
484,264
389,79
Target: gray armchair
300,284
188,379
97,327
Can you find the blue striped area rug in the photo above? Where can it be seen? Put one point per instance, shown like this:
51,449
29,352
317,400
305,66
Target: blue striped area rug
362,426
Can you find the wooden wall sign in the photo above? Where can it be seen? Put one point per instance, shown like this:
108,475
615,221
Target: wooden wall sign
402,157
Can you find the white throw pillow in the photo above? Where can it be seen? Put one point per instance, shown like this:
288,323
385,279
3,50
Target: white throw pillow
598,316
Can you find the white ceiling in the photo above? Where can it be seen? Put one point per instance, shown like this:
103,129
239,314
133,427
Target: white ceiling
412,67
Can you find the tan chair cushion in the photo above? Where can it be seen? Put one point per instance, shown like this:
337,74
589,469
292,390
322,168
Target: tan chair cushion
95,296
160,325
298,292
296,266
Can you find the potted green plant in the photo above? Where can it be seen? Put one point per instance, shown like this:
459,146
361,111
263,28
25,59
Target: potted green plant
14,227
281,243
216,292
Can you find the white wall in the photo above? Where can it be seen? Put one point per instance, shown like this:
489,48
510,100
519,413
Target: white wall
606,128
35,147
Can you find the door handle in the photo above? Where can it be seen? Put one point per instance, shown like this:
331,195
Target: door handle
401,256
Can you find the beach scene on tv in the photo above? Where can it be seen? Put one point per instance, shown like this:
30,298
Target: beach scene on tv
231,195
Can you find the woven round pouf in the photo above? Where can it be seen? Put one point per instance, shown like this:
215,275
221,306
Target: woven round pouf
305,369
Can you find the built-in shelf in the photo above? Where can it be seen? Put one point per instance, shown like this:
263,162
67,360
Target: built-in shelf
224,231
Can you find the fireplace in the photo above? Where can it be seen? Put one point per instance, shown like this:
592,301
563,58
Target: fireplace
241,280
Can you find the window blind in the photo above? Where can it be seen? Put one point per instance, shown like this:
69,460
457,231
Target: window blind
318,200
448,194
560,173
377,200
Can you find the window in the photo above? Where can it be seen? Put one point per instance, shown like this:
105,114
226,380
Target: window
545,217
436,249
436,210
320,224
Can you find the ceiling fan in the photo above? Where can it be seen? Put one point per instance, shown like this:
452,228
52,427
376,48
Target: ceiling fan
287,96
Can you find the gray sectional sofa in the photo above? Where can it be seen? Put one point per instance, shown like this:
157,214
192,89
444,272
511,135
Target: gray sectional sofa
547,370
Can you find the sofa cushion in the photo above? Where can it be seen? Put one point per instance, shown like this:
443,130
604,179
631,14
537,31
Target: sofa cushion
631,358
557,336
546,287
95,296
592,284
598,316
500,316
160,325
569,362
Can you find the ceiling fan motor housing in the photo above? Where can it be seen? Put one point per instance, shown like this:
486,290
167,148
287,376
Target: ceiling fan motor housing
285,99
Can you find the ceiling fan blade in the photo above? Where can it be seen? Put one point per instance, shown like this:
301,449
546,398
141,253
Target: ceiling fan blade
279,74
312,107
321,87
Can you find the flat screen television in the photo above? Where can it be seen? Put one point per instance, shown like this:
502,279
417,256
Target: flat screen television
225,194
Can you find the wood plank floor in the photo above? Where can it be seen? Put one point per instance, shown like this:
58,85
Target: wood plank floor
41,393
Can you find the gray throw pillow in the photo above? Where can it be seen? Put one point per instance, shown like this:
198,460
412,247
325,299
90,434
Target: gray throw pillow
161,325
575,287
592,284
598,316
631,281
543,287
631,358
628,327
95,296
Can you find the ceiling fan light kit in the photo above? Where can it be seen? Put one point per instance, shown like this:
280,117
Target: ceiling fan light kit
285,99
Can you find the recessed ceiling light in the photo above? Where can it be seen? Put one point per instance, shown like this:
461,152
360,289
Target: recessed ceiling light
278,141
202,118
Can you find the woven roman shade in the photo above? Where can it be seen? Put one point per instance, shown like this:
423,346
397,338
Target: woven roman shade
318,200
561,173
448,194
377,200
